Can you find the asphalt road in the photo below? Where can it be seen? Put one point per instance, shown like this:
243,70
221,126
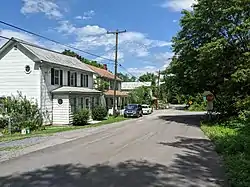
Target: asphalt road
166,149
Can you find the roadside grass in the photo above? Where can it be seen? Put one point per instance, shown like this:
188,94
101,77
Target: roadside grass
13,148
232,141
50,130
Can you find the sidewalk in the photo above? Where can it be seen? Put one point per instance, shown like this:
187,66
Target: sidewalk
56,139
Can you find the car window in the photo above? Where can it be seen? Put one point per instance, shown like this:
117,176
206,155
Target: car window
131,107
145,106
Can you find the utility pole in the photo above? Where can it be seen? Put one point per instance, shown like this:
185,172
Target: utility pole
117,32
158,89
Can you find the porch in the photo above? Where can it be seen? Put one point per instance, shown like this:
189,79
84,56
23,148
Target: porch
67,100
121,100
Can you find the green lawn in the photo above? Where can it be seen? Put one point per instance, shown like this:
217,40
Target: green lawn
50,130
232,141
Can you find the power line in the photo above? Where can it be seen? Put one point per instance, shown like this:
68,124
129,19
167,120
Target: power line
38,35
126,70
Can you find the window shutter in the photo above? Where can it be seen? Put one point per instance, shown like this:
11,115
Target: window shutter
81,80
61,77
76,79
52,76
87,81
68,78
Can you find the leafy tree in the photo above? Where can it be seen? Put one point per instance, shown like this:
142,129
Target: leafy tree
212,52
84,60
102,84
140,95
126,77
148,77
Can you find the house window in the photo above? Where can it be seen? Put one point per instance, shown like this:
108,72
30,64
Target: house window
27,69
84,81
60,101
111,85
87,103
56,77
73,105
72,78
82,103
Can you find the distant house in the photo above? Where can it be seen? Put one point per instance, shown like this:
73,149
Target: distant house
129,86
103,76
58,83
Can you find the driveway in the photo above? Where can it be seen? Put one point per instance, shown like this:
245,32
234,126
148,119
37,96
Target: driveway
165,149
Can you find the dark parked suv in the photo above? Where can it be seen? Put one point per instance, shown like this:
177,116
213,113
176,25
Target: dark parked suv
133,110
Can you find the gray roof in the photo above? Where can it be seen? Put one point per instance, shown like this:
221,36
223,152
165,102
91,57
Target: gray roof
46,55
66,89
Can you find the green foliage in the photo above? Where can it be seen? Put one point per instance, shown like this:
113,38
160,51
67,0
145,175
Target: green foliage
84,60
140,95
99,113
22,113
198,106
126,77
102,85
232,141
81,117
148,77
213,58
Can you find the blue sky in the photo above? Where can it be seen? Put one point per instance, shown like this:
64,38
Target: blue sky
145,47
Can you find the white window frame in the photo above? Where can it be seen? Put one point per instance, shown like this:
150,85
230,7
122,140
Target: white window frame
85,81
57,77
72,78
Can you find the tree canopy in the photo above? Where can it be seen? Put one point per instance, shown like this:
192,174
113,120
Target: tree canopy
84,60
126,77
148,77
212,52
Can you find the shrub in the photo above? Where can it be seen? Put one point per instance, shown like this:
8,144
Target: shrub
232,141
22,113
198,107
99,113
81,117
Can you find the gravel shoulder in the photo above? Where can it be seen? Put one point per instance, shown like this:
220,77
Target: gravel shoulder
16,148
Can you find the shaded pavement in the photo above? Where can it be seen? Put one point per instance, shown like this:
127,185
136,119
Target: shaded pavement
157,150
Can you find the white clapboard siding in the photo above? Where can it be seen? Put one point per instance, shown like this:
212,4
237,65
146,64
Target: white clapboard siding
13,77
46,96
61,111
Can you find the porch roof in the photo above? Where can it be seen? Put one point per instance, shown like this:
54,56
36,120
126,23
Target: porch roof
68,89
118,93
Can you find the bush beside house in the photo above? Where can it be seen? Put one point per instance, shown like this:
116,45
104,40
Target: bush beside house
22,113
81,117
99,113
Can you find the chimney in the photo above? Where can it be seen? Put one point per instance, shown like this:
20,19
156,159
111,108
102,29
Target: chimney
105,66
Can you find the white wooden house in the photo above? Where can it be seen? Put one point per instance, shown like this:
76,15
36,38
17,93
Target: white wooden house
58,83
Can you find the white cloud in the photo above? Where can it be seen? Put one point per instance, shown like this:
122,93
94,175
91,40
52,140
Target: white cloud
48,7
9,34
178,5
86,15
139,71
164,58
65,27
174,21
94,37
29,38
91,37
111,55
